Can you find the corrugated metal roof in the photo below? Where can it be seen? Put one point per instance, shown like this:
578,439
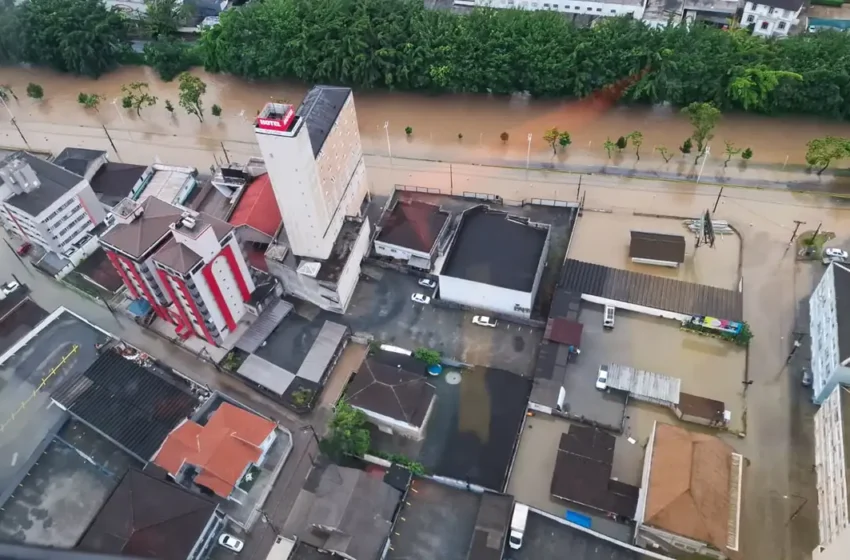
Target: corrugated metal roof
267,322
322,352
645,385
266,374
651,291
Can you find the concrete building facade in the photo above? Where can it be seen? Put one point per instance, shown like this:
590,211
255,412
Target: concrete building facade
829,328
314,160
46,204
832,455
771,18
188,266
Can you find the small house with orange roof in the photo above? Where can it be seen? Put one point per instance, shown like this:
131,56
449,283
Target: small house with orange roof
218,455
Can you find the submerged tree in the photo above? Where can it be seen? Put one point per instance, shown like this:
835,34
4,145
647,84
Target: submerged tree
823,151
551,138
609,146
636,139
730,151
35,91
192,90
137,96
665,153
703,117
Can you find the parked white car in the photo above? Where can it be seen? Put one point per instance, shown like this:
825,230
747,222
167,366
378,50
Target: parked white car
10,287
427,283
230,542
834,254
484,321
602,378
420,298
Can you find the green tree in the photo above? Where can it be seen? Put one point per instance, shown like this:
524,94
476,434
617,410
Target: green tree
636,139
430,357
35,91
622,143
609,146
747,154
408,130
754,85
730,151
348,433
665,153
822,152
164,17
169,57
551,138
6,93
192,90
215,110
504,137
169,107
76,36
138,96
564,139
703,117
686,146
10,37
90,100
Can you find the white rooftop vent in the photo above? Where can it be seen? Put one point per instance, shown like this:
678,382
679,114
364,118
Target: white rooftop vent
188,222
310,269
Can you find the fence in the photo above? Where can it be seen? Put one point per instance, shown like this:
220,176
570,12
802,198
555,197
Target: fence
412,188
534,323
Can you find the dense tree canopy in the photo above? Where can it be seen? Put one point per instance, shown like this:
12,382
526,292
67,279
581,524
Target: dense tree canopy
77,36
400,44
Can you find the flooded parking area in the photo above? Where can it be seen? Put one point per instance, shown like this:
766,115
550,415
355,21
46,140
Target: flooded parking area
603,238
708,367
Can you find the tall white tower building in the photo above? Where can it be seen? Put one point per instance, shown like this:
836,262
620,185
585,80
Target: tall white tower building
315,163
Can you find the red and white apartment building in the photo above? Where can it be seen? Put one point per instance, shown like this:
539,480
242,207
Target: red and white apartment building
187,265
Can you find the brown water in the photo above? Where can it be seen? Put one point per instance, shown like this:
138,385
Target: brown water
436,120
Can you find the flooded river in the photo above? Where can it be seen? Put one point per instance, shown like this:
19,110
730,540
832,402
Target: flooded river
437,121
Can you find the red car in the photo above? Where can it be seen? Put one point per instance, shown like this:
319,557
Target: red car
24,249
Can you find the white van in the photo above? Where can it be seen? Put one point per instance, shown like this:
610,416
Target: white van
608,317
518,525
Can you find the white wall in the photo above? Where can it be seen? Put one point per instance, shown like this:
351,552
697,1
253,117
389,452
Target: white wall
390,250
597,9
823,330
832,483
768,21
837,550
484,296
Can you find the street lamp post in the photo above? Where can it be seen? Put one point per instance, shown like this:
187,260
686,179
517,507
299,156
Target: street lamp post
528,155
704,157
120,116
389,148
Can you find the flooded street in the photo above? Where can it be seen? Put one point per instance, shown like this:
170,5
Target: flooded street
780,506
437,121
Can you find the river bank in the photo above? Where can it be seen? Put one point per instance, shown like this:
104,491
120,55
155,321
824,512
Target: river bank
436,121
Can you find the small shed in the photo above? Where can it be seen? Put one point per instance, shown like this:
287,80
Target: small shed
564,331
644,385
659,249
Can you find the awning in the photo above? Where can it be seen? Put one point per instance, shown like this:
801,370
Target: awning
139,308
262,328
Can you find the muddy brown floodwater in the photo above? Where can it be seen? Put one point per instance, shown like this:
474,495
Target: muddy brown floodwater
436,120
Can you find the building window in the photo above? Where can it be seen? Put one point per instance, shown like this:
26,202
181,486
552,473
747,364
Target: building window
613,11
598,9
590,9
764,25
781,25
751,19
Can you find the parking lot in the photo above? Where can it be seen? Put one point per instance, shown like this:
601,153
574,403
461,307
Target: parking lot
382,307
546,538
603,238
436,522
535,462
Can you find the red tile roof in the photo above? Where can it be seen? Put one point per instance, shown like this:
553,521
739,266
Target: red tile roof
222,449
258,207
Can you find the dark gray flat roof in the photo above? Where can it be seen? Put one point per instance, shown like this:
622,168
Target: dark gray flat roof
114,181
77,160
495,248
319,109
55,182
651,291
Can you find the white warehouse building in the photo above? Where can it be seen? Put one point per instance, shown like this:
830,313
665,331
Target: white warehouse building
593,8
829,328
495,262
832,456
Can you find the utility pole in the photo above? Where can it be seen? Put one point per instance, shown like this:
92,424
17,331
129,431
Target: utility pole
796,227
817,231
226,156
717,201
110,141
451,181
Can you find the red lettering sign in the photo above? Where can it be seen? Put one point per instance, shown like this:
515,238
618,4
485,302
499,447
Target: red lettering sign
271,123
280,122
